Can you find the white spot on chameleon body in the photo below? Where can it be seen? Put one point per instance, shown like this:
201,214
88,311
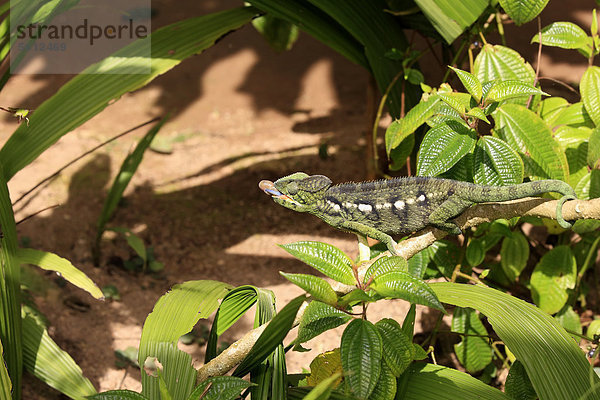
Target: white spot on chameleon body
399,204
387,205
410,201
379,206
421,198
336,207
365,207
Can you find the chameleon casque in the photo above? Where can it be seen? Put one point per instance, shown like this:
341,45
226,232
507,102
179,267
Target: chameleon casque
378,209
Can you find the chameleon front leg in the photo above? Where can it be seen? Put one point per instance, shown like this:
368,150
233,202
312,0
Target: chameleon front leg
361,229
449,209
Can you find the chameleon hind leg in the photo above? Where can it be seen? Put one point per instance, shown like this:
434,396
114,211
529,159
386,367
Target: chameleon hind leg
451,208
373,233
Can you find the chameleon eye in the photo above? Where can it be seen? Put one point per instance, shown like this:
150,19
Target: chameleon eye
292,188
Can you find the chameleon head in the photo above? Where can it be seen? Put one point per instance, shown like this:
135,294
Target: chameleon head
298,191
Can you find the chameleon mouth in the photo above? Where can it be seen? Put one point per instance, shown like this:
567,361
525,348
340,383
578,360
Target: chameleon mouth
269,188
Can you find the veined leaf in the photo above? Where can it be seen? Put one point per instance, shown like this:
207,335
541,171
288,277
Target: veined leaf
175,314
317,318
118,395
518,385
429,381
271,337
401,285
450,19
45,360
385,264
505,90
417,264
566,35
574,115
400,129
473,351
571,137
327,259
514,255
552,277
443,146
95,88
460,102
52,262
5,384
470,82
219,388
361,351
318,288
570,320
502,64
525,131
475,253
478,113
323,366
550,108
593,155
322,390
398,349
385,389
496,163
590,93
555,364
522,11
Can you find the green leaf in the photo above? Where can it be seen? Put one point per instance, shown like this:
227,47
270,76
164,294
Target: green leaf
593,153
470,82
593,328
401,285
385,389
502,64
571,137
5,384
429,381
100,84
566,35
323,366
510,89
52,262
475,253
128,168
460,102
318,318
473,352
327,259
574,115
554,274
361,349
398,155
322,391
496,163
417,264
118,395
550,108
318,288
525,131
134,241
569,320
450,19
398,350
514,255
219,388
414,118
521,11
271,337
233,306
478,113
518,385
443,146
280,34
46,361
175,314
556,366
385,264
590,93
445,254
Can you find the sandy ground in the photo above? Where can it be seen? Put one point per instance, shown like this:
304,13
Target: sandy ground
241,113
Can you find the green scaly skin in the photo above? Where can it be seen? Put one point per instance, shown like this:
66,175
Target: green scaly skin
398,206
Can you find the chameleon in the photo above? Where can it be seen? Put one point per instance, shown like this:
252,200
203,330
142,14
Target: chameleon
399,206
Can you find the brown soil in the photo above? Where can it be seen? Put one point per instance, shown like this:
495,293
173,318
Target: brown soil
245,114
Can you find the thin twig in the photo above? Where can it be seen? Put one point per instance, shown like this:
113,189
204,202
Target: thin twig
46,179
566,85
539,59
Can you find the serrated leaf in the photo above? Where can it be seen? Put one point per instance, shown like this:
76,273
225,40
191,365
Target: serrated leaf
398,349
327,259
521,11
414,118
551,107
317,318
385,264
593,153
361,351
556,366
590,93
357,296
514,255
445,255
571,137
525,132
574,115
385,389
502,64
496,163
554,274
510,89
443,146
323,366
318,288
518,385
475,253
566,35
444,113
457,101
470,82
473,352
478,113
219,388
401,285
118,395
417,264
